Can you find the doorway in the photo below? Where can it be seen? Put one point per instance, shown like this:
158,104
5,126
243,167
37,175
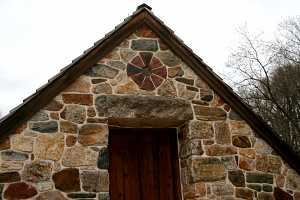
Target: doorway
144,164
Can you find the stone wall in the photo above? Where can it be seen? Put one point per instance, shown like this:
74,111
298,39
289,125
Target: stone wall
61,152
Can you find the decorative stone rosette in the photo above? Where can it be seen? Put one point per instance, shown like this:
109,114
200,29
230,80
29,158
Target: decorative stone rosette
146,71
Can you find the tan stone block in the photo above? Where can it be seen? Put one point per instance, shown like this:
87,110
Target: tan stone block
222,133
247,152
91,134
239,128
246,163
266,163
127,88
11,165
218,150
78,155
22,143
194,190
81,85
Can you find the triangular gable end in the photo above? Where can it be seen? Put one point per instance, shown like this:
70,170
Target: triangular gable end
143,57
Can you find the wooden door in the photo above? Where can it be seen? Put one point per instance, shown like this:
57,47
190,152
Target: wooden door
143,164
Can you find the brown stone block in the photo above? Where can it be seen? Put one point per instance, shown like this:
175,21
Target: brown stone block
244,193
82,99
266,163
67,180
218,150
20,190
209,113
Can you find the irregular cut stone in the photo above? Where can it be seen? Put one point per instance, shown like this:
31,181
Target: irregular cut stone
175,71
77,156
10,165
192,147
267,163
20,190
71,140
74,113
240,128
144,45
209,113
167,89
241,141
4,143
218,150
229,162
104,181
9,177
103,159
237,178
97,120
102,88
101,70
151,110
222,133
22,143
117,64
184,93
221,189
265,196
192,88
282,195
91,134
267,188
54,115
81,99
113,55
49,147
127,88
144,31
244,193
254,177
127,54
292,180
234,116
185,80
68,127
44,186
67,180
206,169
51,195
37,171
254,187
191,191
90,181
246,163
10,155
248,153
98,80
201,130
81,85
262,147
44,127
91,112
103,196
81,195
40,116
54,106
168,58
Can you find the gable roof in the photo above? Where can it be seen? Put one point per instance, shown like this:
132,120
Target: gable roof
144,16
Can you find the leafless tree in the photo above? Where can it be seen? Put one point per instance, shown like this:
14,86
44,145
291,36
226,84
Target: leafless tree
268,78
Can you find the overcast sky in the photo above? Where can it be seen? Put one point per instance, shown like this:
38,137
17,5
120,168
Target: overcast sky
39,37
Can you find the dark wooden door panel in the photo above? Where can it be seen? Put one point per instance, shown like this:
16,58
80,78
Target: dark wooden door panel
143,164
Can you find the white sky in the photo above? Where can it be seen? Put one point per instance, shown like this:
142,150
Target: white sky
39,37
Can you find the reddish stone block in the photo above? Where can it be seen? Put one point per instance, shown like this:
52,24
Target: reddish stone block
162,72
4,143
155,63
146,56
144,31
67,180
138,79
148,84
20,190
244,193
9,177
70,140
137,61
279,194
156,80
82,99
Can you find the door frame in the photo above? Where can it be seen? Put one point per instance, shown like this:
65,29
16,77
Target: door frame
174,156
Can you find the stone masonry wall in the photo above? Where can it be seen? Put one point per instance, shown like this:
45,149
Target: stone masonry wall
61,152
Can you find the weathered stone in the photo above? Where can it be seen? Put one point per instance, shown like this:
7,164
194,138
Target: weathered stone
218,150
237,178
117,64
175,71
81,195
74,113
40,116
112,55
37,171
98,80
91,112
20,190
127,54
206,169
10,165
267,163
244,193
185,80
101,70
68,127
254,187
192,147
201,130
54,115
103,196
10,155
91,134
103,159
9,177
71,140
192,88
248,153
240,128
67,180
206,95
265,196
44,127
167,89
81,85
127,88
77,156
54,106
51,195
267,188
195,190
44,186
229,162
97,120
168,58
49,147
184,93
241,141
22,143
279,194
90,181
81,99
262,147
222,133
151,110
102,88
144,45
234,116
4,143
292,180
254,177
144,31
221,189
246,163
209,113
104,181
